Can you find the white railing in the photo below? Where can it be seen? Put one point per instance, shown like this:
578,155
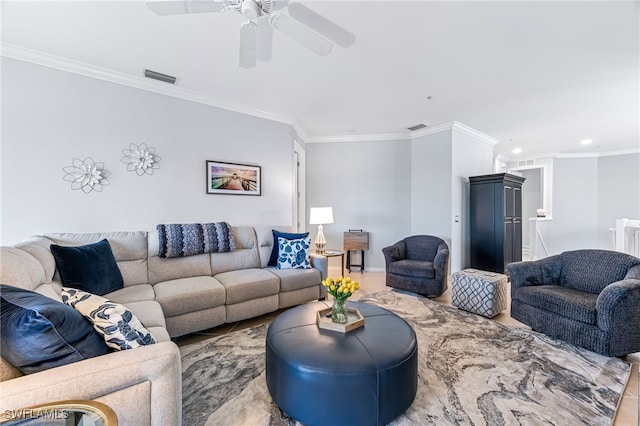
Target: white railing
627,236
538,228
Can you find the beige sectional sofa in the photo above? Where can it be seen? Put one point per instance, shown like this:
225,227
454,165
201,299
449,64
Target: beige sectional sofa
171,297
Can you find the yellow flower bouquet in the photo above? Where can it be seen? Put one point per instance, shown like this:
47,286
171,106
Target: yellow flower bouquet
341,289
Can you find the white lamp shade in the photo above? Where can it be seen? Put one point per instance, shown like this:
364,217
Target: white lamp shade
320,215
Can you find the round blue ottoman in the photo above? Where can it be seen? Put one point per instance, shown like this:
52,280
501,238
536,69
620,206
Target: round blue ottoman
367,376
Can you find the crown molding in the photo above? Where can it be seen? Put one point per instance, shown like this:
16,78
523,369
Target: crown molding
360,138
476,134
300,132
597,154
456,125
24,54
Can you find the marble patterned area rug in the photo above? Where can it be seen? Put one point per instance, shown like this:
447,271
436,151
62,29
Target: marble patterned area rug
472,371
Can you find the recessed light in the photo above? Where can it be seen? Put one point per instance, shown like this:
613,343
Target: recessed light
516,150
586,141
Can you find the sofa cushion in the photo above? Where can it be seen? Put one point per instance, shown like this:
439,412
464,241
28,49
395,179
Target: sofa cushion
421,247
293,254
413,268
296,279
161,269
134,293
117,325
20,269
149,313
273,259
129,248
38,333
90,267
561,300
248,284
177,240
39,247
593,270
191,294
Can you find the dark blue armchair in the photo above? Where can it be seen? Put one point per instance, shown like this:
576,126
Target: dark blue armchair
590,298
419,264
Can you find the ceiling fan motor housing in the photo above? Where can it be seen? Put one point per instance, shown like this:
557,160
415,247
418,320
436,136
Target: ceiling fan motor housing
253,9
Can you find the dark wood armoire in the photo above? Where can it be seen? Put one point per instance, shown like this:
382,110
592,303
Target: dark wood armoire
496,221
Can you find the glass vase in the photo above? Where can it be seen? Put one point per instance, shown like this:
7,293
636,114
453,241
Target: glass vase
339,313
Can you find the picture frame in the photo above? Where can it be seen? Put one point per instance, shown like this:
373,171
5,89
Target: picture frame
233,178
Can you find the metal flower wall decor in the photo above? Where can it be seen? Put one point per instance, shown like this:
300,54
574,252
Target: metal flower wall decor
140,159
86,175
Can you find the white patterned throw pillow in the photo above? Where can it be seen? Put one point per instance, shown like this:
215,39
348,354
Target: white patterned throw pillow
293,254
117,325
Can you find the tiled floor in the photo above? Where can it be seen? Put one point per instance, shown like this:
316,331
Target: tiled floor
371,282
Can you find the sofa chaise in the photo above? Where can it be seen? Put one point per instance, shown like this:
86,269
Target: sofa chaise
171,297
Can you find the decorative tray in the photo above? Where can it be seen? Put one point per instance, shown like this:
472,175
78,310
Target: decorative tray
356,320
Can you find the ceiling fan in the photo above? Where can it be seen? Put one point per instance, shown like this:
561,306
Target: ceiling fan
301,24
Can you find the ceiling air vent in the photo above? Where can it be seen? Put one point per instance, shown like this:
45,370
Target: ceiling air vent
159,76
526,163
417,127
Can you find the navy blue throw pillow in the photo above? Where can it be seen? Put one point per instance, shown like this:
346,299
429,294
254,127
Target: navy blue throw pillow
273,260
39,333
91,267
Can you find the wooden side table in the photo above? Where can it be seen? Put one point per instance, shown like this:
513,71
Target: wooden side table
334,253
352,241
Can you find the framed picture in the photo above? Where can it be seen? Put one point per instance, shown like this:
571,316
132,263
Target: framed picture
233,178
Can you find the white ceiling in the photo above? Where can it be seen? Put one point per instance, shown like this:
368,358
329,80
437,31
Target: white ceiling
537,75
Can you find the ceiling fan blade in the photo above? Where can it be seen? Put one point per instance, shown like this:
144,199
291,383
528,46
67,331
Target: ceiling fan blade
265,40
248,45
181,7
302,34
321,25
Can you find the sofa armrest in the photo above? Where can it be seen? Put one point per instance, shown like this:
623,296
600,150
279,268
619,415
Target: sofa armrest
393,253
618,307
142,385
537,272
320,263
440,263
523,274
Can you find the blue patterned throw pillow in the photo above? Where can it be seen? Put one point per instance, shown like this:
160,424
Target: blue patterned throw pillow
273,259
293,254
118,326
188,239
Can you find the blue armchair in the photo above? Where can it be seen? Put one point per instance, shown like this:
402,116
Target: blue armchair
590,298
419,264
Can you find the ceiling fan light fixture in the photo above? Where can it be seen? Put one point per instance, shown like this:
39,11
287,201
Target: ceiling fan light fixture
250,9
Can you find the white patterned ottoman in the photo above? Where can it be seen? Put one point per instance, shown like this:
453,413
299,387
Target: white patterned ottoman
480,292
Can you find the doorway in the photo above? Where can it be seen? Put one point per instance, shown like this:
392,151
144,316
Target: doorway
299,190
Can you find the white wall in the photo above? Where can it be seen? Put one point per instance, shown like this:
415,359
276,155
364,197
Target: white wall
589,194
470,157
618,193
49,117
575,204
368,185
431,171
531,199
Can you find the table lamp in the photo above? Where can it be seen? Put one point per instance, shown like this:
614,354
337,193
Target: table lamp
319,216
